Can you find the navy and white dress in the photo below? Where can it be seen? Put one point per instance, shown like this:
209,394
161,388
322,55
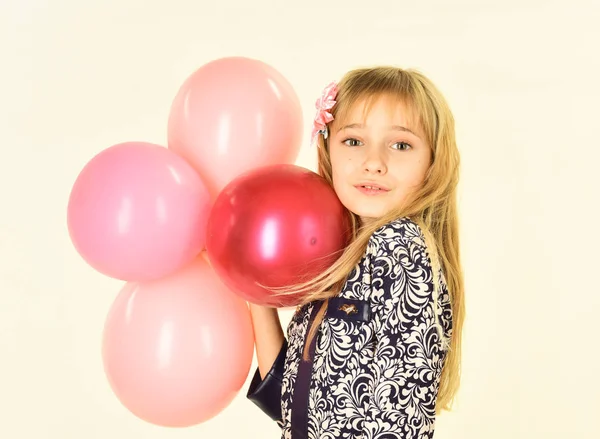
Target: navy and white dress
376,362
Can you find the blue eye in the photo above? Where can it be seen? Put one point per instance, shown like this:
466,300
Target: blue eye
353,142
403,146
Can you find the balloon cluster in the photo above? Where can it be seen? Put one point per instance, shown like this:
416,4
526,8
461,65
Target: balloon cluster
178,340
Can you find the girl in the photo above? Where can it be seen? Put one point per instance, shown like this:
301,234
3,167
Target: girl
374,350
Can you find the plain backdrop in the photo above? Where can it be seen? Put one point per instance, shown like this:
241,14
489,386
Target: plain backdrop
522,79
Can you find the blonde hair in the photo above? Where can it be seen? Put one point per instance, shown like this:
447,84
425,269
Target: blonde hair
433,206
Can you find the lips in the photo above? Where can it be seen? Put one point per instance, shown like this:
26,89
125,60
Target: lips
371,186
371,189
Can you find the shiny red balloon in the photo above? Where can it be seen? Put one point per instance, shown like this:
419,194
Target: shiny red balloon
276,225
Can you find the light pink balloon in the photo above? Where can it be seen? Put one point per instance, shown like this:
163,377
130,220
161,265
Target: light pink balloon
138,211
178,350
232,115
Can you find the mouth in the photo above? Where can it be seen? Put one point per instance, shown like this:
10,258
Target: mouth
371,189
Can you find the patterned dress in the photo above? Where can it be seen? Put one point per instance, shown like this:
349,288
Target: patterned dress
376,362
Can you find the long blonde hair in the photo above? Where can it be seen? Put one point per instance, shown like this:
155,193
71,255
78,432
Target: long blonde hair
433,206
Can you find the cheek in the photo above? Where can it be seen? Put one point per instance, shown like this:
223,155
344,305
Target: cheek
420,171
340,178
412,173
342,165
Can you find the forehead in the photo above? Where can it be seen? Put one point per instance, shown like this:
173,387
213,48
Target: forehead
379,110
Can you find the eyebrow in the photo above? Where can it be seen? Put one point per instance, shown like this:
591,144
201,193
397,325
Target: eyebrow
392,127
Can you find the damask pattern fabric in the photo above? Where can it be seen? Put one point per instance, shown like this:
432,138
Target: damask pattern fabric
375,365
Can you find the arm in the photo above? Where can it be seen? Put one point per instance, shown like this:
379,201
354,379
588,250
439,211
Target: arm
271,348
408,356
268,336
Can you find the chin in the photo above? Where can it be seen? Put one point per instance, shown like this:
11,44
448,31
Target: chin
365,207
367,215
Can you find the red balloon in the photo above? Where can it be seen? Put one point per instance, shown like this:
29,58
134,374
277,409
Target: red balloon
276,226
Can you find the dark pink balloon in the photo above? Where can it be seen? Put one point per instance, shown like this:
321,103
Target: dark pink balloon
276,225
138,212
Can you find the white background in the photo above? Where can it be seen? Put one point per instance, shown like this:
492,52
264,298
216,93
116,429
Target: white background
522,78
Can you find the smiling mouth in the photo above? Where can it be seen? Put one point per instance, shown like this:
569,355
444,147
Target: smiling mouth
371,189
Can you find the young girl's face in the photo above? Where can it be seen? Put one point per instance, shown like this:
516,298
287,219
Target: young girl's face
377,161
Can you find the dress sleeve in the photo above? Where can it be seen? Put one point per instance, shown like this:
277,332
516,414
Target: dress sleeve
266,393
408,356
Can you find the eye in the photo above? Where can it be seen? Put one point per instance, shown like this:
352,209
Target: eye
351,142
402,146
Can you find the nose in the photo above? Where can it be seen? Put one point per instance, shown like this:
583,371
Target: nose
375,162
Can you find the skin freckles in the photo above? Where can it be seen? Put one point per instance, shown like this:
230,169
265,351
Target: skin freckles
383,150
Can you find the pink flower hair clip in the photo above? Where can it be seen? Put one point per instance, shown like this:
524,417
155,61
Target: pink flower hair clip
325,103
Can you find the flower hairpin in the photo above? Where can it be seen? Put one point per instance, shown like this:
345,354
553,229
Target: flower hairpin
325,103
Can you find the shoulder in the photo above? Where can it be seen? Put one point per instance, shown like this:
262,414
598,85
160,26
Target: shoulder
402,231
399,246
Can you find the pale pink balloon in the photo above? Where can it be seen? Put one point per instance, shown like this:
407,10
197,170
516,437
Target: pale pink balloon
138,211
177,350
232,115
